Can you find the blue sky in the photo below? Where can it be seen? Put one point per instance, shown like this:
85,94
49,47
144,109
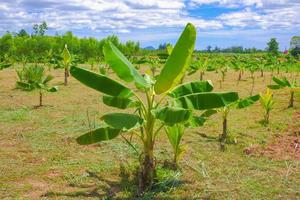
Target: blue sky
223,23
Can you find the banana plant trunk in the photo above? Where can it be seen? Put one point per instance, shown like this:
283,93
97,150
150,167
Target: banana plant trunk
267,117
147,168
147,172
291,100
66,76
41,99
201,75
224,133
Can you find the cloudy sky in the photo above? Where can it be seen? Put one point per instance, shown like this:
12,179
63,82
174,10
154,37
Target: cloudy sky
224,23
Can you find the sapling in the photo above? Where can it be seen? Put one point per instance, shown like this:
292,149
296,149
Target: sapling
176,131
239,104
153,61
169,49
34,77
252,66
199,65
291,86
267,102
153,112
238,64
4,65
5,62
66,62
175,134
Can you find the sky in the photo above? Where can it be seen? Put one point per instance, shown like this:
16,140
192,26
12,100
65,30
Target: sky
222,23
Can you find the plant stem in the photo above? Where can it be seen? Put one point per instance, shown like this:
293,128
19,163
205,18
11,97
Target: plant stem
291,104
224,133
66,76
41,98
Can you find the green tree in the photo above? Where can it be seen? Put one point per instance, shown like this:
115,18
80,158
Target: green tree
295,42
6,44
22,33
273,47
40,29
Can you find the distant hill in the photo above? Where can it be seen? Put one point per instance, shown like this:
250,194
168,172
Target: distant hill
149,48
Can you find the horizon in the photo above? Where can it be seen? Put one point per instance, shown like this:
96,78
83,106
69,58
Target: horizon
219,23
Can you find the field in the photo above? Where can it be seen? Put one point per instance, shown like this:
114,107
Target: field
40,159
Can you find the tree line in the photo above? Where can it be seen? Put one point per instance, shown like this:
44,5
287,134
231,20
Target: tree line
37,46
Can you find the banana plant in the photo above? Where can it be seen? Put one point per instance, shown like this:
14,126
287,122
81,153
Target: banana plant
175,134
92,62
267,102
252,66
4,65
199,65
154,111
169,49
153,61
66,62
34,77
5,62
284,83
238,64
238,104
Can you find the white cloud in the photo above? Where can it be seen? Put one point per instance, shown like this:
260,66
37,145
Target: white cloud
106,15
127,16
268,18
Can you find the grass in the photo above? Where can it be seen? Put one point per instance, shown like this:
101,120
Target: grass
39,157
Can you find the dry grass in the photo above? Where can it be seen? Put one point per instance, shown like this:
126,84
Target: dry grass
39,158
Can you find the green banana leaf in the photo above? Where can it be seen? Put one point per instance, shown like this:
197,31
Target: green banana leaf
66,55
207,100
122,66
275,87
243,103
119,102
282,82
24,86
122,121
191,88
98,135
172,115
100,82
53,89
196,121
177,62
175,134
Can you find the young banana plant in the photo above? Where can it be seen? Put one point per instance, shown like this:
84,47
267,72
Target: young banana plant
4,65
175,134
199,65
239,104
66,62
153,111
176,131
238,64
284,83
267,102
34,77
5,62
169,49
